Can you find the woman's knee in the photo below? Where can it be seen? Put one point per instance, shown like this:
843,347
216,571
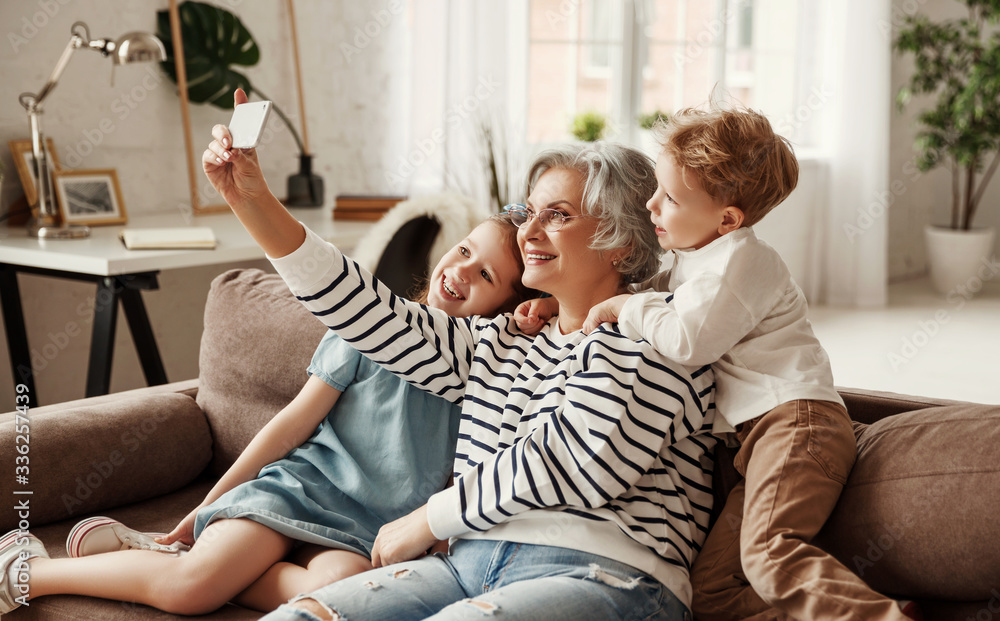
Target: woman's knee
321,572
316,608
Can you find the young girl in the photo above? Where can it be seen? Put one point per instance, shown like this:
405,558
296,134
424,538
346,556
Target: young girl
276,525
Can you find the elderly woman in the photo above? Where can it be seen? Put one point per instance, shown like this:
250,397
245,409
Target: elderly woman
582,484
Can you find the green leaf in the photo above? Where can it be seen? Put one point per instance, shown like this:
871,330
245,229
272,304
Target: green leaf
589,126
214,41
647,120
958,63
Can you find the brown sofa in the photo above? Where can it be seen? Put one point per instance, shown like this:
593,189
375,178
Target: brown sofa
918,518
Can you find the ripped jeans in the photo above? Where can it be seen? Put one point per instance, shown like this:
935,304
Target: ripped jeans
480,579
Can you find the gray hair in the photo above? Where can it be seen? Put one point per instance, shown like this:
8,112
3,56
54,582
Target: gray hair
618,180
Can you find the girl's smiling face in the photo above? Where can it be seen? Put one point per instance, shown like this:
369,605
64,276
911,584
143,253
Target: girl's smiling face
477,276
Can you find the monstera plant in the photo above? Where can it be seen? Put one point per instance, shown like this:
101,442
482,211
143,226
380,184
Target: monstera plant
217,46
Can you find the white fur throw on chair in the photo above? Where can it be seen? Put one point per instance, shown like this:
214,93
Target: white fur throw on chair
457,215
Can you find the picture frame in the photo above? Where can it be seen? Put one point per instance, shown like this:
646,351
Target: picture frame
24,160
91,197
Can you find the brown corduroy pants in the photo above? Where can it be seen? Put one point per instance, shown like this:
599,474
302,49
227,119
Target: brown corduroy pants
758,563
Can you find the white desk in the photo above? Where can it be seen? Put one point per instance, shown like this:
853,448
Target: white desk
121,274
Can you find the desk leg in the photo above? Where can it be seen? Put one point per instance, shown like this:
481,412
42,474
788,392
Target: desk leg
102,344
142,336
17,334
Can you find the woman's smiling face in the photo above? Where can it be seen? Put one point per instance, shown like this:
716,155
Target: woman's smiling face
561,262
476,277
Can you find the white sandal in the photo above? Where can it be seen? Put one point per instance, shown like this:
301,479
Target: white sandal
16,547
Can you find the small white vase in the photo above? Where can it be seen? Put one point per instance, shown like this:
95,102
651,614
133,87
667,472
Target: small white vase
960,259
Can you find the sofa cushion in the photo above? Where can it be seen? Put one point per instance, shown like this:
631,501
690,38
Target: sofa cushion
257,343
93,457
918,515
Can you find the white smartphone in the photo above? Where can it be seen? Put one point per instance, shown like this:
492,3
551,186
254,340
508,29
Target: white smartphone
248,123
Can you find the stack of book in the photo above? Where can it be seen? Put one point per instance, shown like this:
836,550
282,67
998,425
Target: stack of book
367,207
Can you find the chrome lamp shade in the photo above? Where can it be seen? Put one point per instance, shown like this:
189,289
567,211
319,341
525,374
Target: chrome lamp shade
130,48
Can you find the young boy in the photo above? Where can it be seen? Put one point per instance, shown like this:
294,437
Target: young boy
731,302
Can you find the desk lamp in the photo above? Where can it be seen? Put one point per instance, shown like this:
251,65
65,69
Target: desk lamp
131,47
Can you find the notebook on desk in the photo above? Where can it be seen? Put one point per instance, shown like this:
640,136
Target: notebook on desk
168,238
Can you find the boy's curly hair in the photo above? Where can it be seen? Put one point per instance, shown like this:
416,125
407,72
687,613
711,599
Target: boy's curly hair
735,154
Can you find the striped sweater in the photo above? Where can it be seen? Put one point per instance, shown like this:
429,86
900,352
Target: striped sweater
591,442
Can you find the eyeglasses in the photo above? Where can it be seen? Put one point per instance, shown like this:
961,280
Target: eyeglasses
551,219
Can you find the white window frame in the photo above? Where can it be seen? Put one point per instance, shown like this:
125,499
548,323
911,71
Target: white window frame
626,69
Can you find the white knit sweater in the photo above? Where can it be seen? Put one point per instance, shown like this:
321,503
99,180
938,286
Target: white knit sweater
591,442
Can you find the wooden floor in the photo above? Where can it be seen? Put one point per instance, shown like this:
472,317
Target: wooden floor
922,343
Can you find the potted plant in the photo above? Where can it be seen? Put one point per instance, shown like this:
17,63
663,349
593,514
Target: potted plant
646,121
215,42
589,126
958,61
501,169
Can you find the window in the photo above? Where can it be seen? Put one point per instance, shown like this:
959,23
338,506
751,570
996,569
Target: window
623,58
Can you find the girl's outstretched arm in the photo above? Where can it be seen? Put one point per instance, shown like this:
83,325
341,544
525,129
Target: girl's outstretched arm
236,175
287,430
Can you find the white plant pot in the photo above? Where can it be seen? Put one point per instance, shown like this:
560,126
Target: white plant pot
960,261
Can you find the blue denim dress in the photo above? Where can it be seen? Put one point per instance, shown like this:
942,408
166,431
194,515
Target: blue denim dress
381,452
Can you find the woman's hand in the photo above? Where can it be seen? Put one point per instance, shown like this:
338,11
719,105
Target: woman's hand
606,311
234,173
404,539
532,315
183,532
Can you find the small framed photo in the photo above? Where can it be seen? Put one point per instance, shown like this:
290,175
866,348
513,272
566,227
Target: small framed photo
24,162
90,197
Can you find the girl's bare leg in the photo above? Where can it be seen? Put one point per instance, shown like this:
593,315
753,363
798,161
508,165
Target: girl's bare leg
305,570
229,556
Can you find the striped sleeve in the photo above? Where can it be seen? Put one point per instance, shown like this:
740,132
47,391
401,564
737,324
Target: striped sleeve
424,346
620,409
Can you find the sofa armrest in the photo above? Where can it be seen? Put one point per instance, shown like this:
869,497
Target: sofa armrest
185,387
868,406
92,455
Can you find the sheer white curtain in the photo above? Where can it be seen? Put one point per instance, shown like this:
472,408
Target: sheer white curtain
459,73
466,60
855,136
